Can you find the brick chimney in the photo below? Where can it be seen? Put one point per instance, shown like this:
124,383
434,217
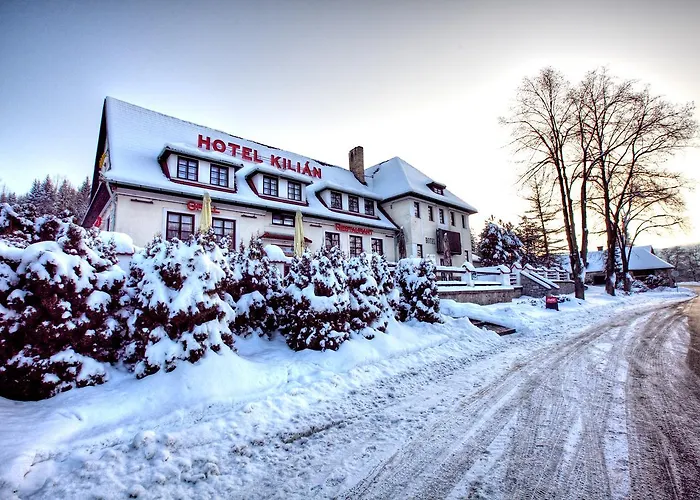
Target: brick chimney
356,157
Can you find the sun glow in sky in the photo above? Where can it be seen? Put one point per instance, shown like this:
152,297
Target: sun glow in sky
425,81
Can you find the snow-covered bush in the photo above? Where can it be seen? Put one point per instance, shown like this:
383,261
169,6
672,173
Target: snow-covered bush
314,302
388,293
58,299
367,310
178,310
418,293
254,289
658,280
17,224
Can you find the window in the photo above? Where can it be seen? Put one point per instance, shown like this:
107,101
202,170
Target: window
438,190
270,186
369,207
431,217
294,190
179,226
419,250
224,227
218,176
355,245
416,209
336,200
187,169
333,240
441,213
353,204
377,246
464,222
281,219
452,218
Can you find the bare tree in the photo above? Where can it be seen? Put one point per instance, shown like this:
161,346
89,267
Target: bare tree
652,203
543,127
632,133
541,217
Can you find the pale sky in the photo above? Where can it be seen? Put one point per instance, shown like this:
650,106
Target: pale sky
425,81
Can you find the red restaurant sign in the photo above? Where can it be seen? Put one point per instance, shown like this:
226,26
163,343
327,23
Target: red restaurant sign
197,206
250,154
352,229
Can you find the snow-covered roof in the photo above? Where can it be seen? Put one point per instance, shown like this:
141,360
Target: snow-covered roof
138,136
642,258
394,178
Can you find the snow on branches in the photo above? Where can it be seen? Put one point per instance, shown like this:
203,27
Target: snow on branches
58,313
498,244
418,293
179,313
253,288
315,302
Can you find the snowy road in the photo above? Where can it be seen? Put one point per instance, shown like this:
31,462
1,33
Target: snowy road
612,413
606,412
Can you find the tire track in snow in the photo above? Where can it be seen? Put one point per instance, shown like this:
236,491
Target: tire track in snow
664,396
569,433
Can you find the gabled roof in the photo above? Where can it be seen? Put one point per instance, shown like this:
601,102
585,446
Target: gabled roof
137,137
642,258
396,178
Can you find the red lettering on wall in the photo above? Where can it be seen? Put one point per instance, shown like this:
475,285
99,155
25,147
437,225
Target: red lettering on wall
234,148
352,229
275,161
202,141
256,159
219,146
316,172
245,153
196,206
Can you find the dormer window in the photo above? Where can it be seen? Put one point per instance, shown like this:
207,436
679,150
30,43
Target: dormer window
187,169
270,186
336,200
354,204
218,176
369,207
437,188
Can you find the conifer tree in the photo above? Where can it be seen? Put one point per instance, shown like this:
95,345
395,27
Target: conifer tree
418,293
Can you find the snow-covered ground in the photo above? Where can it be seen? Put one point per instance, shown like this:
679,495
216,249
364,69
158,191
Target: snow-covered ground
215,428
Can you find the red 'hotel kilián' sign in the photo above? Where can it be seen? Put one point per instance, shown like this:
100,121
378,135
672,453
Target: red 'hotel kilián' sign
250,154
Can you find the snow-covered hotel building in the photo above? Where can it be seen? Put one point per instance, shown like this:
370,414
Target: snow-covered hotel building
152,170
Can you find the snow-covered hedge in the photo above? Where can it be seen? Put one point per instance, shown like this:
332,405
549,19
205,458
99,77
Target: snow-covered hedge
58,306
314,302
179,313
418,293
253,287
368,306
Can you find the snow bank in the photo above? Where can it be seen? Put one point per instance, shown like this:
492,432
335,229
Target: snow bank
204,401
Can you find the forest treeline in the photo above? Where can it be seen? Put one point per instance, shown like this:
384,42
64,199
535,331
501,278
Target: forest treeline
53,196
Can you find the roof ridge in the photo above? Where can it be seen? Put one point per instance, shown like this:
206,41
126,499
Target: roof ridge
325,164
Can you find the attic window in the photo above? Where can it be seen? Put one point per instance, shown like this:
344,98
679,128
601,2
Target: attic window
437,188
187,169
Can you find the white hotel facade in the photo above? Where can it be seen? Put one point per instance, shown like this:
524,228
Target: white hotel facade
152,170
